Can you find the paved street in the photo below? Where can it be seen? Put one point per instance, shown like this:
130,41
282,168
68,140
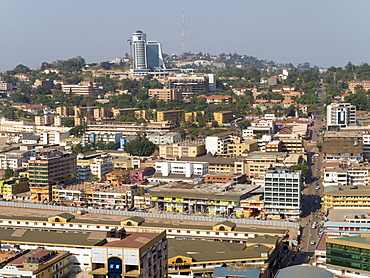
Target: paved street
311,197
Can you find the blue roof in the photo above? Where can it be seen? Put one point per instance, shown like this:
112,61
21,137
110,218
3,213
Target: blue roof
222,272
304,272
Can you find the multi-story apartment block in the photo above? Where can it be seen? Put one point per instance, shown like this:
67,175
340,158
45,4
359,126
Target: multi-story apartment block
93,137
180,149
340,115
223,117
65,111
50,168
4,86
237,149
282,193
164,138
365,84
47,119
217,144
12,162
274,146
165,94
189,85
130,128
13,185
102,166
193,117
83,88
44,83
169,115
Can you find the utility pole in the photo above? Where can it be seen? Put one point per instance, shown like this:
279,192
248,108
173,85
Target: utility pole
183,45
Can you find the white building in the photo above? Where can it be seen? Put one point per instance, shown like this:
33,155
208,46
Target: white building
282,193
102,166
346,176
99,136
340,115
366,145
53,137
164,138
217,144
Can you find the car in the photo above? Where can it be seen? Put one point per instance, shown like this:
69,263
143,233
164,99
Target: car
303,253
312,242
317,187
313,226
316,201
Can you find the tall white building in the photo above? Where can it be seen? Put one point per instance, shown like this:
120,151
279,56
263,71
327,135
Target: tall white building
340,115
282,193
146,55
102,166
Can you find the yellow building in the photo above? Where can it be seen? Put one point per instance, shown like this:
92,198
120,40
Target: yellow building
223,117
65,111
182,149
192,117
14,186
346,197
168,115
237,149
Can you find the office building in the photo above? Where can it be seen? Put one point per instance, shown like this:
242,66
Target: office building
189,85
50,168
12,186
146,55
282,193
340,115
165,94
223,117
180,149
348,256
343,146
164,138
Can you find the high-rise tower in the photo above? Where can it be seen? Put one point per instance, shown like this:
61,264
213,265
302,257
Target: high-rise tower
138,44
146,55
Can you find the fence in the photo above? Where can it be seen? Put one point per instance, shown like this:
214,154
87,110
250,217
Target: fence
285,224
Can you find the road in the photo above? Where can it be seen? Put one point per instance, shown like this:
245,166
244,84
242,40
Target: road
311,194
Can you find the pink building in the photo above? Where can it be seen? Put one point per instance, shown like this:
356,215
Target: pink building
140,175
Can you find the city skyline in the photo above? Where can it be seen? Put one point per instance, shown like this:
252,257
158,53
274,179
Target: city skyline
321,33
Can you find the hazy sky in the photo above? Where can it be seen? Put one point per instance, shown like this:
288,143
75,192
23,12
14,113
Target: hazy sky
323,33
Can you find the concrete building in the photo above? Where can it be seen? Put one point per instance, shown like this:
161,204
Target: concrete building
169,115
346,197
180,149
101,166
365,84
98,194
84,88
14,185
342,146
223,117
164,138
37,263
237,149
4,86
50,168
214,199
93,137
217,144
128,129
340,115
189,85
179,171
282,193
165,94
348,256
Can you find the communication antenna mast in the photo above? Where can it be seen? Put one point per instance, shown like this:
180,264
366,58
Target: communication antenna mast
191,36
183,46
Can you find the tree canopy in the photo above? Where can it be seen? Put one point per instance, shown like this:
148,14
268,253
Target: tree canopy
140,146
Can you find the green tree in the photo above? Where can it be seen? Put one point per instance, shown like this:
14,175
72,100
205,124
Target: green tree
244,124
69,122
9,173
305,169
93,178
140,146
78,130
319,146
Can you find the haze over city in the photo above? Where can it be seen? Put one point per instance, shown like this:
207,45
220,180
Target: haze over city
323,33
